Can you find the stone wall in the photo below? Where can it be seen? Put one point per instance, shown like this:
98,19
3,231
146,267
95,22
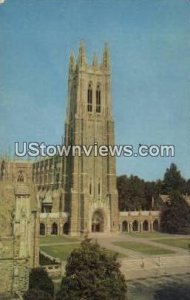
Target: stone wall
139,221
155,266
19,228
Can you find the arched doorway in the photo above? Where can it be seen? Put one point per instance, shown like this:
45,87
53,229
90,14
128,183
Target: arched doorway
155,225
66,228
54,229
124,226
145,225
97,221
135,226
42,229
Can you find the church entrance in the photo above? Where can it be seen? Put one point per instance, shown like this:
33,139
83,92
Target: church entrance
97,221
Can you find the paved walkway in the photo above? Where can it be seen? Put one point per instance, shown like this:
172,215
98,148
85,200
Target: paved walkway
135,264
60,243
107,240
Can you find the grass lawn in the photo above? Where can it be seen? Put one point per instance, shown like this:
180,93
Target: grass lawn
59,251
149,234
57,239
178,242
143,248
120,255
63,251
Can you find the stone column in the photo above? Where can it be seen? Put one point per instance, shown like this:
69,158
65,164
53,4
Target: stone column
139,226
48,228
60,229
151,226
128,227
131,227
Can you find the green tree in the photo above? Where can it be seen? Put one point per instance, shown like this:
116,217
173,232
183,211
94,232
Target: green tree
122,187
151,192
92,273
187,187
175,215
39,280
35,294
131,192
173,180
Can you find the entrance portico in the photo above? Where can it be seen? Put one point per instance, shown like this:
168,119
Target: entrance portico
98,222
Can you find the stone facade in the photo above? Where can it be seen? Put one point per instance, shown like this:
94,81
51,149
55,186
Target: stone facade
78,194
90,183
19,227
139,221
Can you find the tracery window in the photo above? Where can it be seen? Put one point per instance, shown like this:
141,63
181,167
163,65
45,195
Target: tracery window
89,98
98,99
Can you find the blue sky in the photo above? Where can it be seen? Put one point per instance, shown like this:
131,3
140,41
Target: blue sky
150,55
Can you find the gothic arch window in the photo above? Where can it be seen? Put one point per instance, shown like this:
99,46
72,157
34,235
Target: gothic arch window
124,226
98,221
20,177
98,99
155,225
66,228
42,229
54,229
135,225
145,225
89,98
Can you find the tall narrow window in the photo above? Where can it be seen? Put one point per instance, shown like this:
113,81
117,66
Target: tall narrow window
90,187
98,99
89,98
20,177
99,187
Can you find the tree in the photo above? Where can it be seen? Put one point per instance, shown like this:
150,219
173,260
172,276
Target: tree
151,192
122,186
35,294
137,194
131,193
39,280
173,180
175,215
92,273
187,187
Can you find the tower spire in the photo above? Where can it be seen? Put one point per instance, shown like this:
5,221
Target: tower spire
71,63
106,58
82,55
95,61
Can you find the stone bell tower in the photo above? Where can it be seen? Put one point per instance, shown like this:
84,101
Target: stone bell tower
90,183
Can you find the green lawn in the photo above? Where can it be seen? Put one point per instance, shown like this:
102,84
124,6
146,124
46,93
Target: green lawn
143,248
57,239
59,251
63,251
148,234
180,242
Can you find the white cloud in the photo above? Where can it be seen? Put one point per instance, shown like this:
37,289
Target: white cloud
2,1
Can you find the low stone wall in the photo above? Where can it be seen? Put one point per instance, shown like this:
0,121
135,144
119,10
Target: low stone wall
56,269
136,268
155,266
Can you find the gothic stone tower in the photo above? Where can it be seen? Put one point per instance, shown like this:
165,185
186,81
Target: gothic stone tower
91,194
